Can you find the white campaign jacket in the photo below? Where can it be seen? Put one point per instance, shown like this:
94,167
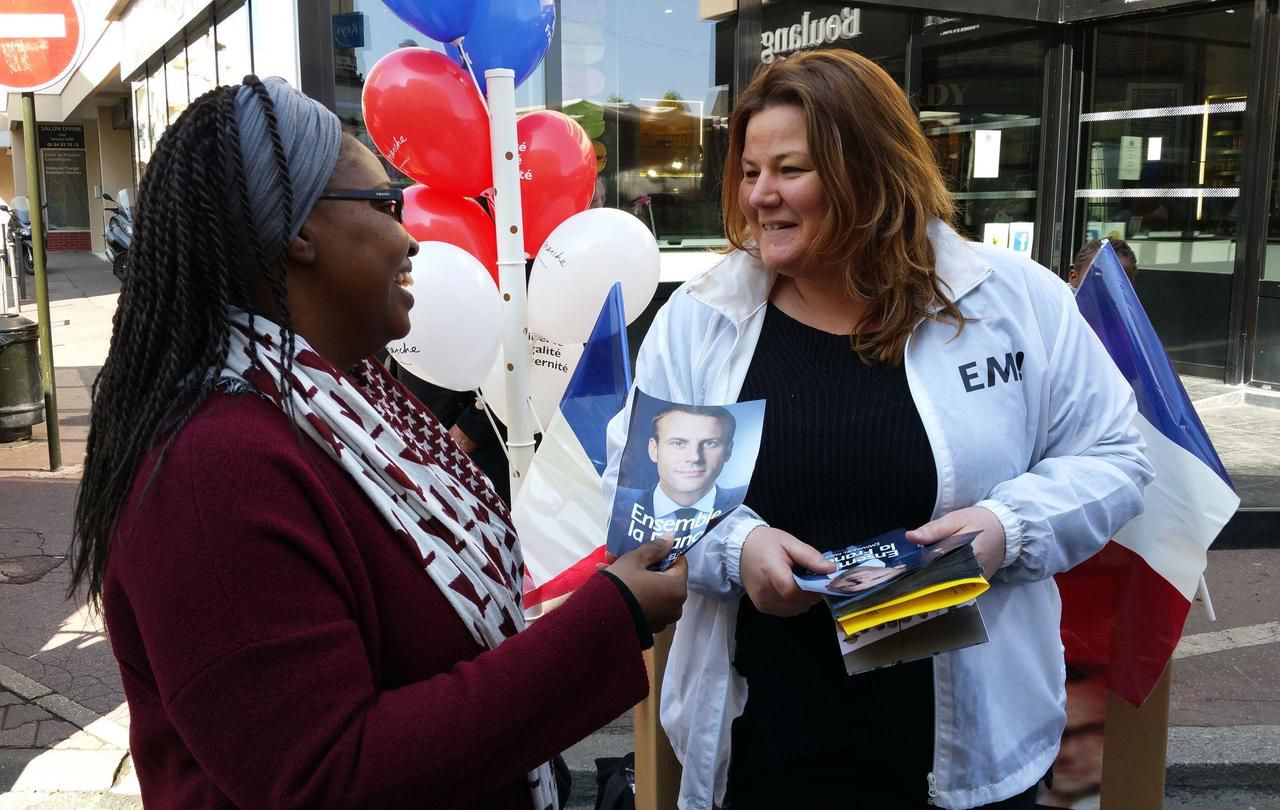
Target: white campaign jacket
1026,415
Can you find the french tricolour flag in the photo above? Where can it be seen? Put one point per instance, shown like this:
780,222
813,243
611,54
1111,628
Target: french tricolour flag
560,514
1123,610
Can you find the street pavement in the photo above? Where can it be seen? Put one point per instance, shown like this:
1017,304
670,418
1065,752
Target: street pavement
64,722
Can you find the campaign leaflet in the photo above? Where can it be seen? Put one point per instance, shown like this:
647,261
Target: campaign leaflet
683,468
889,566
895,601
913,637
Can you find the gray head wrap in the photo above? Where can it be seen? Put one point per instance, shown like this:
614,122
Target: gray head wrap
311,136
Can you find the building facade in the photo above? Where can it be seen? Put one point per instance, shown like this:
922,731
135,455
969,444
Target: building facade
1055,122
141,64
1148,120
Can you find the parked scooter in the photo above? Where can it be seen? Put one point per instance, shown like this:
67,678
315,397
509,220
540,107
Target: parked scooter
12,227
21,211
119,232
11,257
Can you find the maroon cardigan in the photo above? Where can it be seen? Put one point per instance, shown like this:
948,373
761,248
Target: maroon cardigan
280,648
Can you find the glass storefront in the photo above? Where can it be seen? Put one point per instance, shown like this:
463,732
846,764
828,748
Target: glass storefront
175,82
643,79
141,126
202,64
233,48
1161,140
168,82
157,108
1141,133
978,85
980,98
364,32
1266,353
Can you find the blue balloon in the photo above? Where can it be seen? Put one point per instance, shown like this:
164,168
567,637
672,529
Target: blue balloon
442,20
511,34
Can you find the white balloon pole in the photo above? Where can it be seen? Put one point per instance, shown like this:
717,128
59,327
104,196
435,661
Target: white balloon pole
511,277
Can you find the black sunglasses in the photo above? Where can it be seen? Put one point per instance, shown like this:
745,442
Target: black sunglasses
394,196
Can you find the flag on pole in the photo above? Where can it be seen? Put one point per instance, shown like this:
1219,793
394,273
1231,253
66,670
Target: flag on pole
1123,609
560,513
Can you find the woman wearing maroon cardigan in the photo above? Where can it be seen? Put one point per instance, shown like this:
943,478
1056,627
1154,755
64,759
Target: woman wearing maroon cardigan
314,596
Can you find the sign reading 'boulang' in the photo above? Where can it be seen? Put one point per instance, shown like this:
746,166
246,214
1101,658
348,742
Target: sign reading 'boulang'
810,32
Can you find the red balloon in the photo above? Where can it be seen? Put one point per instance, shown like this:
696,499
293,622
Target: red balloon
426,117
557,173
437,216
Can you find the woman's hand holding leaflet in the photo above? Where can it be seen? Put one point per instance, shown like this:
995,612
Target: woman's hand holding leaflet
988,546
768,557
661,594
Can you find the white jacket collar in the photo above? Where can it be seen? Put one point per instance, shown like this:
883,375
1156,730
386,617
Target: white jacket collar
739,285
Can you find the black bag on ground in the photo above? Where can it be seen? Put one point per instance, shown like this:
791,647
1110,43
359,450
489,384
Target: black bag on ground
616,783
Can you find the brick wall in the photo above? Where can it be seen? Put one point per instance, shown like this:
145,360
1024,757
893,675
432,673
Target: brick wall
69,240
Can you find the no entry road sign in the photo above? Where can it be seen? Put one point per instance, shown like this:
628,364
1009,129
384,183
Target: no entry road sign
39,42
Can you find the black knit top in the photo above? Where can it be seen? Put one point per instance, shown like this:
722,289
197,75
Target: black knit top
844,456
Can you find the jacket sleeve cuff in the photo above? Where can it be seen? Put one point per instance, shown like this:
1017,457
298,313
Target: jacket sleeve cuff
1013,535
643,632
733,548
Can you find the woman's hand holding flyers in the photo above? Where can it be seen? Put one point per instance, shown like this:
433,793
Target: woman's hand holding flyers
988,546
661,594
768,557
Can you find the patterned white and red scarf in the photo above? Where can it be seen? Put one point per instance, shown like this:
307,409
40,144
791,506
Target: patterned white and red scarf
430,493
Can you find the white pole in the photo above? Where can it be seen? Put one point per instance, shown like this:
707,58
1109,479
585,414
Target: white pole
1202,591
511,281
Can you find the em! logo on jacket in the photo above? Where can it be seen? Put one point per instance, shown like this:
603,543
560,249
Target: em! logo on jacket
1009,369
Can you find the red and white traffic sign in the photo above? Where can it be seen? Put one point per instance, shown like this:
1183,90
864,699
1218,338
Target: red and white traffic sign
39,42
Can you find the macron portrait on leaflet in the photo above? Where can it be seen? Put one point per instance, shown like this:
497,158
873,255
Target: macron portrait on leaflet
689,446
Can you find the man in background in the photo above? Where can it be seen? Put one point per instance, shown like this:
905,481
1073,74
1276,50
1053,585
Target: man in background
1080,264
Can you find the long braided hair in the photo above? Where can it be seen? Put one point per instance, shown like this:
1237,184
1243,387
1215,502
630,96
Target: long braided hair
170,333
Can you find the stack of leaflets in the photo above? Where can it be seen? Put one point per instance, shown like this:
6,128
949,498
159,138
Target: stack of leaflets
896,601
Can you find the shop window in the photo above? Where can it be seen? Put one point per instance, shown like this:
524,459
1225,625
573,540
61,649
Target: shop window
202,69
64,169
233,45
364,32
167,83
156,97
979,100
1162,135
141,126
658,123
1267,358
645,81
1271,266
175,74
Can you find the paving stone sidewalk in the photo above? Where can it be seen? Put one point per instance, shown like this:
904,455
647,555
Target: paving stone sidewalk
63,724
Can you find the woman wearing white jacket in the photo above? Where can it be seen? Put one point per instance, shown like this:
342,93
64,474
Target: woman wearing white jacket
911,379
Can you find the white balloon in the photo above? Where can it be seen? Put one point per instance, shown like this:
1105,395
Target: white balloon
578,264
551,367
456,321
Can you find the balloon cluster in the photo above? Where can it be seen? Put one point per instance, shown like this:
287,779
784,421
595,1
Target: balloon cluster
426,114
